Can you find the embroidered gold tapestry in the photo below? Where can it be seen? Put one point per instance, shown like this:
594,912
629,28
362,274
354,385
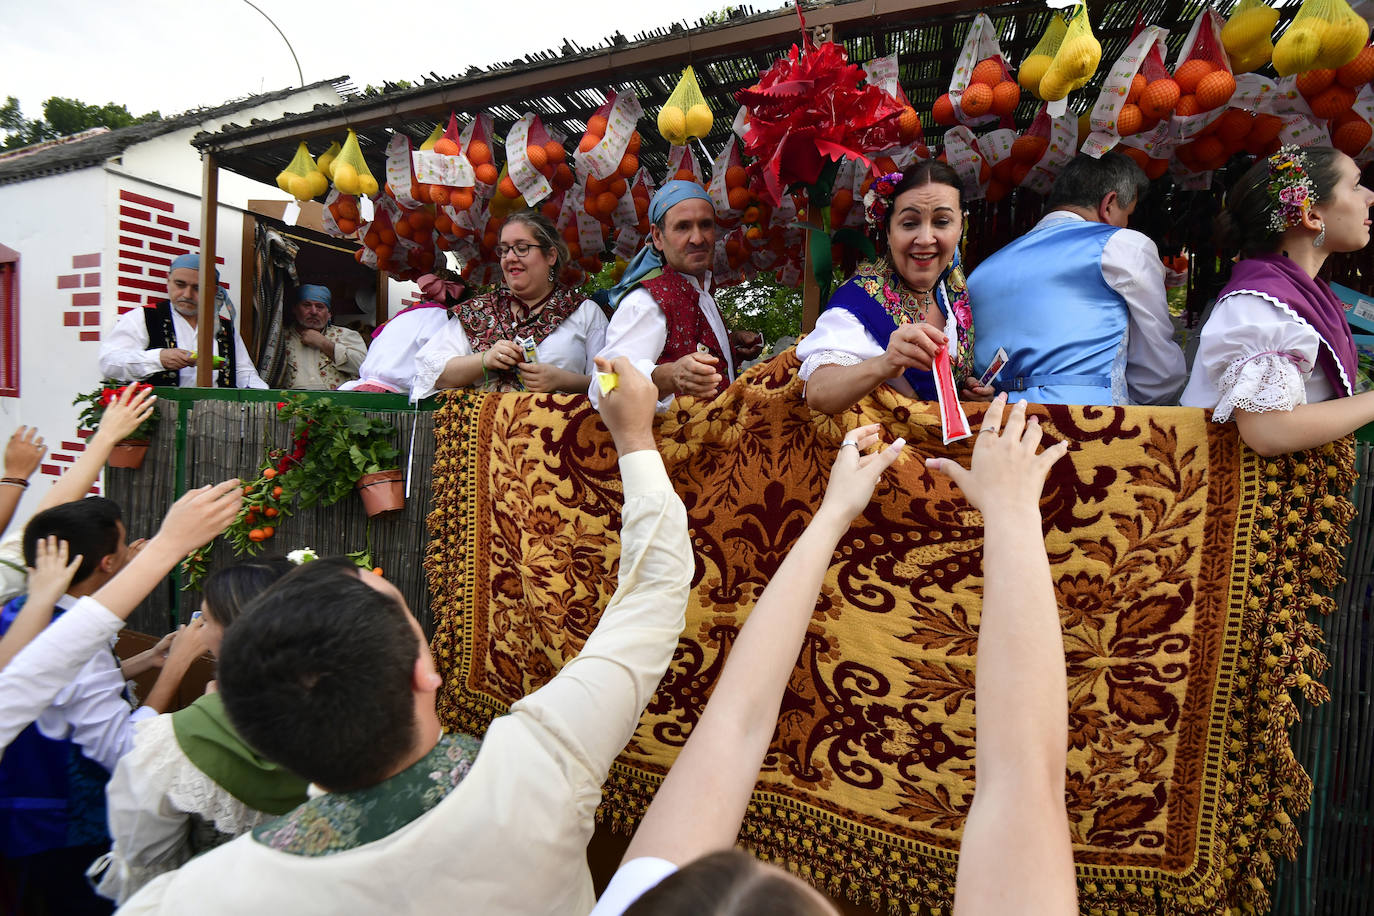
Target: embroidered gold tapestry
1185,567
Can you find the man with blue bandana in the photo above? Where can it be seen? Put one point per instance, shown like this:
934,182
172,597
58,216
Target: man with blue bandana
156,344
665,319
320,356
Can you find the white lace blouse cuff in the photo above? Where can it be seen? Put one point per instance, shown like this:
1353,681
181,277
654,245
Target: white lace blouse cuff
1271,380
428,368
826,358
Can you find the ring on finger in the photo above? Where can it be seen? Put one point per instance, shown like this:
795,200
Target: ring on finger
850,442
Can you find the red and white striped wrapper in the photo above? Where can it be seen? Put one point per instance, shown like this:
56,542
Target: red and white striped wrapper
953,423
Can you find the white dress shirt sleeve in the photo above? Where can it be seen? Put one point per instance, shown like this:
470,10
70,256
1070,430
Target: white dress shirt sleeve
638,330
839,339
590,709
124,353
1155,367
33,679
434,356
14,576
245,373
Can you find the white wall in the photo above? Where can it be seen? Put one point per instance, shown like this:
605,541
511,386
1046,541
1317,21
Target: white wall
50,221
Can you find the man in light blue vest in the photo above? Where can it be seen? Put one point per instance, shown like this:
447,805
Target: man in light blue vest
1078,302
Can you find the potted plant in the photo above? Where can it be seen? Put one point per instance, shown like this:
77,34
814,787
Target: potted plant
130,452
337,449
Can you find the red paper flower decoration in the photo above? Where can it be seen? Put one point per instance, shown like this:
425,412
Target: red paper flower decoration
809,107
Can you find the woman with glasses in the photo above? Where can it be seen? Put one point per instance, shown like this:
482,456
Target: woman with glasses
485,342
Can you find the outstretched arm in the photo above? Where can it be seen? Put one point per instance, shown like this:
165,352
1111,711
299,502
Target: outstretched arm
46,665
1278,432
701,803
48,581
1015,855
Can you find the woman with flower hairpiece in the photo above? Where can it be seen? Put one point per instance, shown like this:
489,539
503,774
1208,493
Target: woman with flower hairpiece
1277,355
885,324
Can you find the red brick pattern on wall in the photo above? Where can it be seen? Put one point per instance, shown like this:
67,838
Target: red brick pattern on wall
59,459
83,309
150,237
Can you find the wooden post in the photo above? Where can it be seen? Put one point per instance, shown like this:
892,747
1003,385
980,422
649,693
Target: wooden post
381,313
205,325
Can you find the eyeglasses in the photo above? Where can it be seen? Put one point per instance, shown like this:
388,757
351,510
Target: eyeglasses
520,248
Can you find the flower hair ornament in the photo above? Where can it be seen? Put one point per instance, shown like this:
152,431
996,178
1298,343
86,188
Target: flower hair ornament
1290,188
878,200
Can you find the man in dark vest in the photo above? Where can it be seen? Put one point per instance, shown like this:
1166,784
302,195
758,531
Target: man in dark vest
156,344
665,319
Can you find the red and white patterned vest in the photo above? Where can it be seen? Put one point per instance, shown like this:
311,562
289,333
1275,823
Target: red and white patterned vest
687,324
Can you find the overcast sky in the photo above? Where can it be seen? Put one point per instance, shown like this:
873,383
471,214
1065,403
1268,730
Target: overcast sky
173,55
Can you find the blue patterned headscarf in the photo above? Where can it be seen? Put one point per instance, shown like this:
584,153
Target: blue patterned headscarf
649,258
188,260
315,293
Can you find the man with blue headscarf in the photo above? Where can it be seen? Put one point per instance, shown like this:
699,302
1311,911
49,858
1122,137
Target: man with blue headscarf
320,356
156,344
665,319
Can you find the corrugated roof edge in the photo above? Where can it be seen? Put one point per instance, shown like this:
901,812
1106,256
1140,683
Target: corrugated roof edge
94,147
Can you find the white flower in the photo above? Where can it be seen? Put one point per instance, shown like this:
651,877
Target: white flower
302,555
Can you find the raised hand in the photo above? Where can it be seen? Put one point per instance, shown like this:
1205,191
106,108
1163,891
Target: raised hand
913,346
51,573
1006,471
200,515
23,452
127,412
628,409
854,474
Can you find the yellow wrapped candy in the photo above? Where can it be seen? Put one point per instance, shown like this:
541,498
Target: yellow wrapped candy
1038,61
1248,35
1324,35
1075,62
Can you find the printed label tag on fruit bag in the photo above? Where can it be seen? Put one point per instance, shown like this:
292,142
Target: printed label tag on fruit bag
962,152
603,159
1299,131
1062,146
588,232
1187,127
436,168
366,210
398,170
1284,99
531,184
628,241
996,146
1253,91
882,72
720,195
1117,86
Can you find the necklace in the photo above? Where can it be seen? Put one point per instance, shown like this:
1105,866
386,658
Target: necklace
908,305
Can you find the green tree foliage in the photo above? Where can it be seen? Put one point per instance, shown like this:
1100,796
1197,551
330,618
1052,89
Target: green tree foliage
764,305
61,118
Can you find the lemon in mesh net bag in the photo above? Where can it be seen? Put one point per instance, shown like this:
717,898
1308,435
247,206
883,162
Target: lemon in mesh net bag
1247,35
1324,35
351,174
686,113
302,179
1042,55
1076,60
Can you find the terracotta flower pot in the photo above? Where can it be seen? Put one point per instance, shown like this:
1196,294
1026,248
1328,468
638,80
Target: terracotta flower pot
128,454
382,492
